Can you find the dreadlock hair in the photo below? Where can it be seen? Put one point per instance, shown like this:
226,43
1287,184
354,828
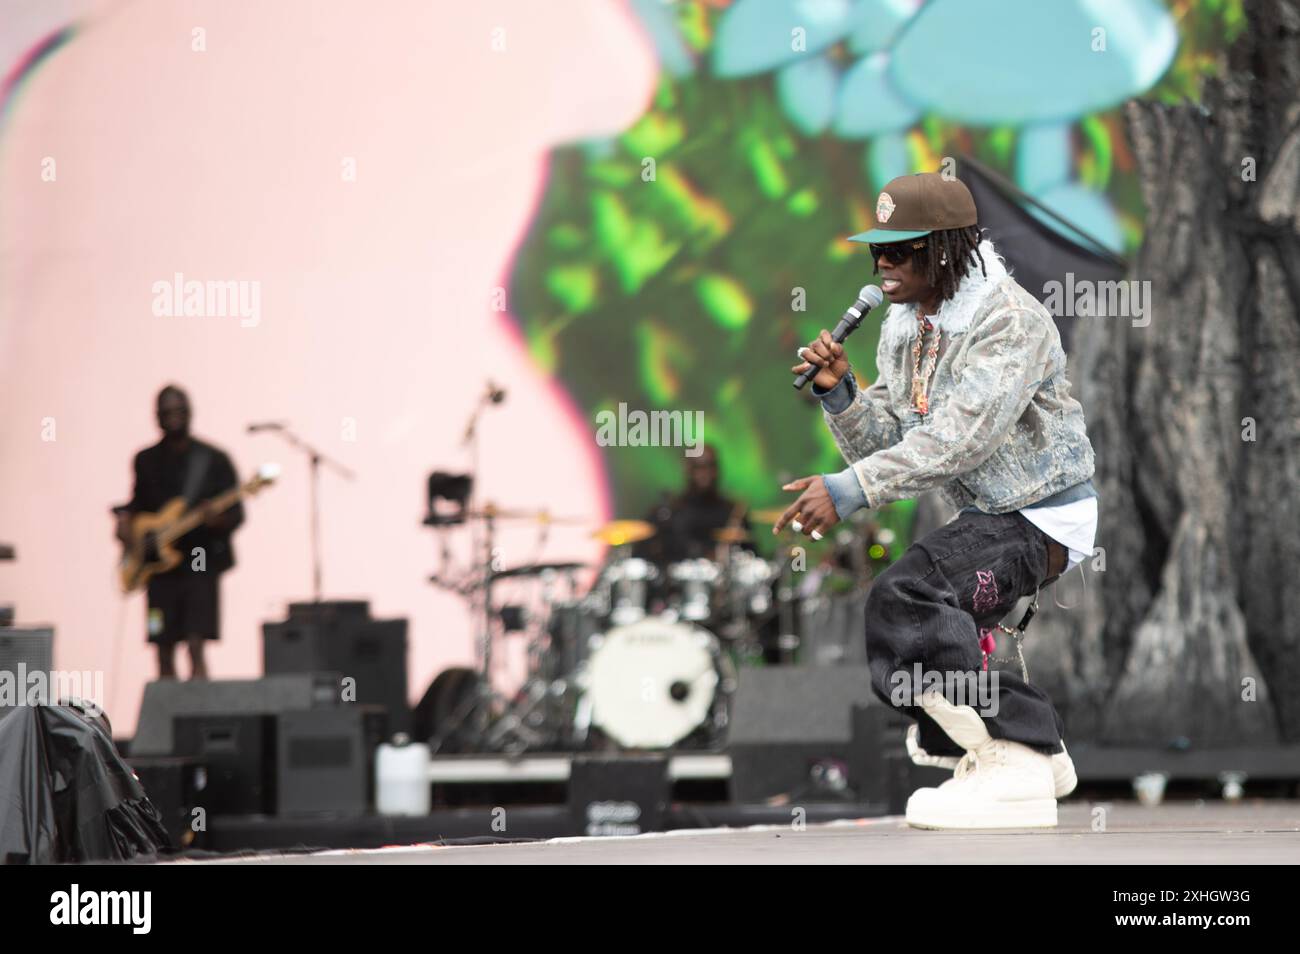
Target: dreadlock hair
946,258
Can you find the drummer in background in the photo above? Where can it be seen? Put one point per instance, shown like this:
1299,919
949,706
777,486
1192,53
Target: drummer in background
686,526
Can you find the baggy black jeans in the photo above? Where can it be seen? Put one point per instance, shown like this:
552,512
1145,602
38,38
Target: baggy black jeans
929,607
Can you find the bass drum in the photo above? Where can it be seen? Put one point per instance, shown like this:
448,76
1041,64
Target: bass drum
651,684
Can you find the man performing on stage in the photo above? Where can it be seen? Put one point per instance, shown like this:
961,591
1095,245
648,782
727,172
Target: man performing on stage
184,602
972,400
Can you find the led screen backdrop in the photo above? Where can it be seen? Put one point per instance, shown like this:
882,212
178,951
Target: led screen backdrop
592,202
679,264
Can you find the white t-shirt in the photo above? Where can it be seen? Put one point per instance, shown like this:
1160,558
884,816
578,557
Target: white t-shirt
1072,524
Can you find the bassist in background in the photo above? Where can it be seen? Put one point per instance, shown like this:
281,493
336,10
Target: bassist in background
184,602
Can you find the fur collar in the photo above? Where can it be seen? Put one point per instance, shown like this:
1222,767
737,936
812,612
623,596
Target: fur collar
956,314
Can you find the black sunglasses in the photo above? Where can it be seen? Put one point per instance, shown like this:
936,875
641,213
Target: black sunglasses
895,253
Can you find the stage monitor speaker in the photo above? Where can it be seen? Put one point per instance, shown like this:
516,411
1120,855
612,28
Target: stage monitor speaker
794,732
619,794
238,753
167,698
341,637
330,611
24,651
325,760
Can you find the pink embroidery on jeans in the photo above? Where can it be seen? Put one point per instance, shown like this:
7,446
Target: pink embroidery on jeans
986,591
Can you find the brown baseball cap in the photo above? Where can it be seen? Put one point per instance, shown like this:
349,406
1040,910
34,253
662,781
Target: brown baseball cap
915,205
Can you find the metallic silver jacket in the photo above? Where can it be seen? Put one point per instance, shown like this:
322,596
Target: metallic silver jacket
1002,432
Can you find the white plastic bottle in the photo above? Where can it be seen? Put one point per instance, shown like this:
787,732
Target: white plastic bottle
402,777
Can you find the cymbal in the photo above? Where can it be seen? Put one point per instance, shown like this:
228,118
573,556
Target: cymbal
731,535
767,516
493,512
618,532
536,569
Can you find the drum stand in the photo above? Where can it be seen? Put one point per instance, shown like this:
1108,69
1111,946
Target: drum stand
481,703
490,720
787,639
528,719
497,722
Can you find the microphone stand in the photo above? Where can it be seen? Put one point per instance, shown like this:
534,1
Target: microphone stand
478,703
492,395
316,457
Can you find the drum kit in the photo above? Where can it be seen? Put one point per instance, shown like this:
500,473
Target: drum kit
645,658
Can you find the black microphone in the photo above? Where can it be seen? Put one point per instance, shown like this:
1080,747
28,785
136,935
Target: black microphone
266,426
869,296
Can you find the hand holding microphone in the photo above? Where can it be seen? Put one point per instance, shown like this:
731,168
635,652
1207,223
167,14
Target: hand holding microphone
824,363
823,360
824,357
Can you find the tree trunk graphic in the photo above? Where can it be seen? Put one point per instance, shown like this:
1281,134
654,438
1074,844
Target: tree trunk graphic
1192,628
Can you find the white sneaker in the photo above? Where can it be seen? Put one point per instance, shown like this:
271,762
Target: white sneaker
1063,775
1064,779
998,784
1002,785
974,731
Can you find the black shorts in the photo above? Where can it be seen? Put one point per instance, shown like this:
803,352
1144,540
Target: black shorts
182,605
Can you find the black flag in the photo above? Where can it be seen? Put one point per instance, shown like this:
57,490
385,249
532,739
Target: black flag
1035,253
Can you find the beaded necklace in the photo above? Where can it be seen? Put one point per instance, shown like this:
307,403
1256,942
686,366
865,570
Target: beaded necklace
921,400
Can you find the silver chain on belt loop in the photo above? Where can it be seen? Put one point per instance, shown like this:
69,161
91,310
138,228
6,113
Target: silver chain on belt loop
1018,636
